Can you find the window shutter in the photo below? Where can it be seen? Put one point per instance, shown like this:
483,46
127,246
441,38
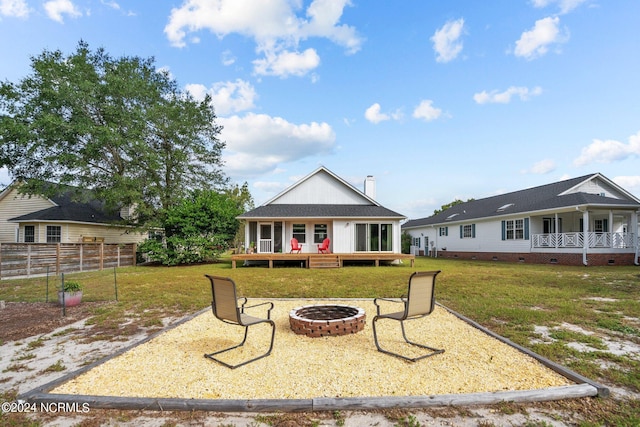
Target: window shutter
461,232
504,230
446,231
526,229
473,231
605,225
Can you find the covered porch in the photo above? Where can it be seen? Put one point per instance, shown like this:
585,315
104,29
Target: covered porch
586,229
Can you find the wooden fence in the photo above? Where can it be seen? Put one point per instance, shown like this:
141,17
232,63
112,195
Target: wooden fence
30,259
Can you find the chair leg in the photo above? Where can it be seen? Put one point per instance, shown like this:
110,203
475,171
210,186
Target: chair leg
433,352
246,331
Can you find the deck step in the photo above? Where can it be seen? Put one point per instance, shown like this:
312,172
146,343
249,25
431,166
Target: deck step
324,261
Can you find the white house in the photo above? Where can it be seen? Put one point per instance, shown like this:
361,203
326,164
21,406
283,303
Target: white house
587,220
323,205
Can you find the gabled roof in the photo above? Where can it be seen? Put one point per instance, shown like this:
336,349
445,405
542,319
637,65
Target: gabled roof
67,209
558,195
352,202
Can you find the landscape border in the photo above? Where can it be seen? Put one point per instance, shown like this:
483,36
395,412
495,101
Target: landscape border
584,387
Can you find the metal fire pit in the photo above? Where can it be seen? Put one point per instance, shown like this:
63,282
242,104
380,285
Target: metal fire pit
326,320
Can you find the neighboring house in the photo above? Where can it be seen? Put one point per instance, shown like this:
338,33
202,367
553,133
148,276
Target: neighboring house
588,220
59,219
323,205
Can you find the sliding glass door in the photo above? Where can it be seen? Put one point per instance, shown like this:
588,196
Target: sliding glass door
374,237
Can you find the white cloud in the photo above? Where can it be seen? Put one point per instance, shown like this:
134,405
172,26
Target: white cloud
446,40
629,183
226,97
57,8
14,8
374,115
427,111
535,42
565,6
542,167
274,25
111,4
608,151
228,58
258,143
285,63
495,97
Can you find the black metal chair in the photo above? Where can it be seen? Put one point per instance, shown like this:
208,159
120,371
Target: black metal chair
419,302
225,307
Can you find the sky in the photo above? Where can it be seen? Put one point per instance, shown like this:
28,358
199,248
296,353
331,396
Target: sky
438,100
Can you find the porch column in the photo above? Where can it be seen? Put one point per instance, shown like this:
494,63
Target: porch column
610,228
635,241
556,230
246,236
585,236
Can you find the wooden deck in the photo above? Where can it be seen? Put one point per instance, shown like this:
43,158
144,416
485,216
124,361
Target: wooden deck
322,260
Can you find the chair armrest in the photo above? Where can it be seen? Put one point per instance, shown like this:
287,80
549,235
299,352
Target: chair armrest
375,301
270,304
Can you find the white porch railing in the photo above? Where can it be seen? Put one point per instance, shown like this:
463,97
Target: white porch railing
576,240
265,246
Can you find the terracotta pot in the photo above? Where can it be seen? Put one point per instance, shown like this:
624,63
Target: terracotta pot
71,299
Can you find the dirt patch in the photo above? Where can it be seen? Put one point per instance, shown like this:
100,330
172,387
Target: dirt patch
22,320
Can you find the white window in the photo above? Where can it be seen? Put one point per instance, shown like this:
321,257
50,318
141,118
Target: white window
444,231
300,233
515,229
54,234
319,233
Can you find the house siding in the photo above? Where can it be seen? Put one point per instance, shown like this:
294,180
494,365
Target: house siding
14,204
75,233
342,241
321,189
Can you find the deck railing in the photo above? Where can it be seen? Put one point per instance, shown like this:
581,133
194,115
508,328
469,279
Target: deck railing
577,239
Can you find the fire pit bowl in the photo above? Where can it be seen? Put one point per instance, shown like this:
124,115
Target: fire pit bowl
326,320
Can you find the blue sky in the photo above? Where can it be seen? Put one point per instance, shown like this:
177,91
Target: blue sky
437,99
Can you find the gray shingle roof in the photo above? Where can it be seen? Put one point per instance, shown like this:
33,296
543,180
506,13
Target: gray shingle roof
529,200
92,211
320,211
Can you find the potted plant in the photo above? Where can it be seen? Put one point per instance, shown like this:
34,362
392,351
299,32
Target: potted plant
71,293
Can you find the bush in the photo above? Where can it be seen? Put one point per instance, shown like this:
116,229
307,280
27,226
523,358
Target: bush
177,250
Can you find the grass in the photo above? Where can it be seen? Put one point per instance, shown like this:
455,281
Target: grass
509,299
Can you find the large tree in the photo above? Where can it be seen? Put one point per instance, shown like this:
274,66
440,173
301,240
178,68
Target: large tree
118,126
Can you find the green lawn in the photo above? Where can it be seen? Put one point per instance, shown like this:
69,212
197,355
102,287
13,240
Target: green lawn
510,299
